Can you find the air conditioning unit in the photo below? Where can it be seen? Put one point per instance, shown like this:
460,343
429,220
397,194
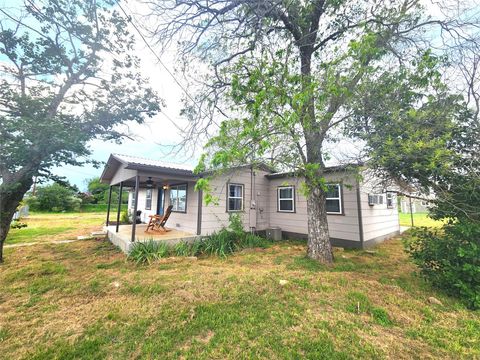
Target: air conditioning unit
274,233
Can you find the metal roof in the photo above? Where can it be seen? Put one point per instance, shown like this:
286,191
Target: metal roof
328,169
140,161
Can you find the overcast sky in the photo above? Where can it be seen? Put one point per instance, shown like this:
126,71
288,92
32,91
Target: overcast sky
154,138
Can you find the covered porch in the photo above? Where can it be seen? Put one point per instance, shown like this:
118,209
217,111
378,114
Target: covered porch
149,184
122,237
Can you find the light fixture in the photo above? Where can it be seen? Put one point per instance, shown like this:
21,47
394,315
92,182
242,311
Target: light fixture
149,182
165,187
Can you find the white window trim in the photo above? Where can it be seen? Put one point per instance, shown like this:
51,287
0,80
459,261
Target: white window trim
147,198
376,199
339,198
132,200
390,194
292,198
178,202
235,197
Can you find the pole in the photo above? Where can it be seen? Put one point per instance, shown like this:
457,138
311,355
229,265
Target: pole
108,206
119,205
134,225
411,210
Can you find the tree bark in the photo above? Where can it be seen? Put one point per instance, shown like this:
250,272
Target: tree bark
11,194
319,247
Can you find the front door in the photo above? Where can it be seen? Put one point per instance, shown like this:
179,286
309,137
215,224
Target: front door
160,201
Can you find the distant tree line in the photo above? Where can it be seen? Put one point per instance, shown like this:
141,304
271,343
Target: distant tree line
63,196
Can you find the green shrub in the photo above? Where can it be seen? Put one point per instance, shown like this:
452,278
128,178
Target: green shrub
221,243
450,258
54,197
148,251
253,241
124,218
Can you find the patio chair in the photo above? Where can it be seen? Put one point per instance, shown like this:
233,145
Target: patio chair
157,222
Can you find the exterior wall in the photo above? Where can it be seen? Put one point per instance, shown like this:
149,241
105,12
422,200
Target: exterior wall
260,208
122,174
344,227
255,200
142,194
184,221
181,221
379,221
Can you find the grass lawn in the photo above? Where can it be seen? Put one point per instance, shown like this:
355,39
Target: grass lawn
84,300
419,219
44,227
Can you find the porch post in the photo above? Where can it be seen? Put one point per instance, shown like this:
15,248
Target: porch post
108,206
134,225
119,205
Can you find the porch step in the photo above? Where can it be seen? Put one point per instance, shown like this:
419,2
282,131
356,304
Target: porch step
96,235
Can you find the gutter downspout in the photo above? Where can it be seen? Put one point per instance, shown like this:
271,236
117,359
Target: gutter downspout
252,199
360,217
199,212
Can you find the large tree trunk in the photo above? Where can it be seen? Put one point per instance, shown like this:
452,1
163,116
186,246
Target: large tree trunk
319,247
11,193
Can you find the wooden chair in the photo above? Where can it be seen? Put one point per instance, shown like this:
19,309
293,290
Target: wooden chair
157,222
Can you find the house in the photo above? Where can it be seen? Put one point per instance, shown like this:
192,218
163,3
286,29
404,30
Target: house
359,216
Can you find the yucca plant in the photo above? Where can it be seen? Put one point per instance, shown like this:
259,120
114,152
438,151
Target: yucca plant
148,251
253,241
221,243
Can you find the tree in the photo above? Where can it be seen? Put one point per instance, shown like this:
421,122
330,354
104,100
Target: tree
54,197
418,132
68,76
100,192
284,73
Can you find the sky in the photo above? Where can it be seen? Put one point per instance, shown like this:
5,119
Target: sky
154,138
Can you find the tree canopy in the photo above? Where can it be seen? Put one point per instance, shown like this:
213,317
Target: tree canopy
287,76
68,75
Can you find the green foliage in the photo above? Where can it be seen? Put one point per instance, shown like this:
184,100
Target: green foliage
148,251
124,218
68,76
449,258
54,197
18,225
101,190
221,243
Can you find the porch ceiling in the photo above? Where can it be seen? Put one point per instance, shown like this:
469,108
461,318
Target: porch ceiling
158,180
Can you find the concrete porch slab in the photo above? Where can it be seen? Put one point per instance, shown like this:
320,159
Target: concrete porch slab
122,239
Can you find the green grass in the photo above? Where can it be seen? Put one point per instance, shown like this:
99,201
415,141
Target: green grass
45,227
84,300
419,219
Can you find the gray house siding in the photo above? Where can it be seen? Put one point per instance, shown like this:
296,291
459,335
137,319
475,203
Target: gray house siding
355,227
379,221
344,227
185,221
255,200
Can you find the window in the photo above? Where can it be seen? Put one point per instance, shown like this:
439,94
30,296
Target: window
286,202
235,197
375,199
148,199
132,200
178,197
390,200
334,199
